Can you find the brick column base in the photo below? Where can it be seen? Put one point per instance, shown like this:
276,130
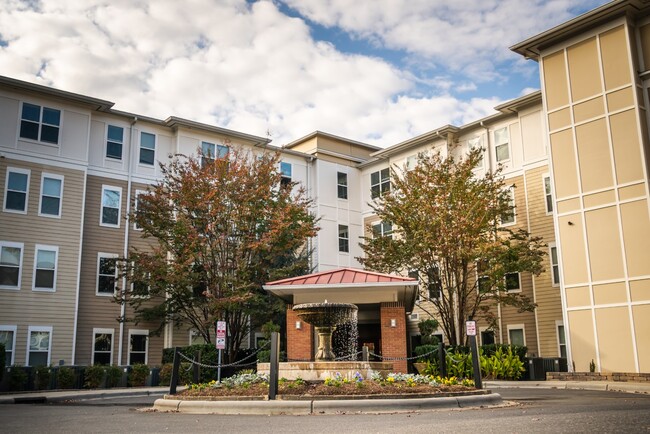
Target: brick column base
393,339
300,342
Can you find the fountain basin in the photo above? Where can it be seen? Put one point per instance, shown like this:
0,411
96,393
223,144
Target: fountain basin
320,370
325,317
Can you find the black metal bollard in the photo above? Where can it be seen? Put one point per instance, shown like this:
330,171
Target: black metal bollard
274,365
476,363
442,360
173,382
195,367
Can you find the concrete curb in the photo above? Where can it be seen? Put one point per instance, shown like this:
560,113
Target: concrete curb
325,406
76,395
613,386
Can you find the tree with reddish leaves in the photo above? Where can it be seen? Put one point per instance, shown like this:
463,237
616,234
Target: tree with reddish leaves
447,231
221,227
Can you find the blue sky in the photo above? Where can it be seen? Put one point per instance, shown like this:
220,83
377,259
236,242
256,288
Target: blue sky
377,71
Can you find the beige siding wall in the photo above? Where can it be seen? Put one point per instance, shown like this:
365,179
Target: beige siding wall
25,307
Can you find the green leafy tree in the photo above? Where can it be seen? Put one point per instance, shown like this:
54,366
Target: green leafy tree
446,230
222,228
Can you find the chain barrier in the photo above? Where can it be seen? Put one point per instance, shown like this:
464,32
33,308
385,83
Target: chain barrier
235,363
402,358
349,356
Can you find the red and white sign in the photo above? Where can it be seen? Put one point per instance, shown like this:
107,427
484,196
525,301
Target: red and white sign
471,328
221,335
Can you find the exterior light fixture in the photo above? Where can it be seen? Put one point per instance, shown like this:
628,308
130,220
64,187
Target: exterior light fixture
393,322
298,325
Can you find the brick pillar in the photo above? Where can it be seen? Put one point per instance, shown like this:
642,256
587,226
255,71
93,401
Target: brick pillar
393,339
300,343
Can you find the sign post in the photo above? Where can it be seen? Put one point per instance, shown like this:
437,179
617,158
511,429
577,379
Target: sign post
470,327
221,345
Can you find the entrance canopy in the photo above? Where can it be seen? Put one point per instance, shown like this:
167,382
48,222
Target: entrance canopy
346,285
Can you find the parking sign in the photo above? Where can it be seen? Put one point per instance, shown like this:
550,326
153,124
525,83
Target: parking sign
221,335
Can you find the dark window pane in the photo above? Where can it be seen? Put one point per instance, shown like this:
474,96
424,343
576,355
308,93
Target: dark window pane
385,175
114,150
51,116
374,178
102,342
140,289
106,285
44,279
50,205
17,181
15,201
342,178
49,134
147,141
342,192
222,151
137,358
115,134
109,216
487,337
107,266
375,191
29,130
37,358
344,245
31,112
512,281
9,276
147,156
138,343
102,358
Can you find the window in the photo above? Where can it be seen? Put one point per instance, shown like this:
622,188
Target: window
509,218
138,341
11,259
111,205
147,148
40,123
136,204
16,188
211,151
475,143
106,273
51,192
487,337
285,173
382,229
140,285
45,268
344,239
379,183
411,162
548,195
102,347
342,185
555,266
516,335
39,345
8,338
561,340
196,338
434,283
114,142
414,317
513,282
501,144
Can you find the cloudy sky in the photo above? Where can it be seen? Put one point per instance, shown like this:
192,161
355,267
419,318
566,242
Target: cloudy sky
376,71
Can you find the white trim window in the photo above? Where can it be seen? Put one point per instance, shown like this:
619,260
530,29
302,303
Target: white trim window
475,143
561,339
136,202
147,148
382,229
8,339
411,162
511,218
138,346
102,353
11,264
548,194
513,282
39,346
40,123
106,274
501,145
379,183
211,152
114,142
342,185
487,336
555,264
111,206
344,239
16,190
196,338
140,288
517,334
286,173
51,195
45,267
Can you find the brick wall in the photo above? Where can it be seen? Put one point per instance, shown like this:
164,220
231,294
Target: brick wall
595,376
393,339
300,343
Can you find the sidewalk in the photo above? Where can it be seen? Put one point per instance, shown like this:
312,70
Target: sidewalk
614,386
41,396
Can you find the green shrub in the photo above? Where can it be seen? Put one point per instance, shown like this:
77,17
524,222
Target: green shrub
94,376
18,378
427,327
504,364
65,378
519,350
422,351
42,377
113,376
184,371
459,364
138,375
2,360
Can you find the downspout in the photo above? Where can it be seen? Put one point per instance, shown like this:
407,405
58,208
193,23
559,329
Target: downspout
127,227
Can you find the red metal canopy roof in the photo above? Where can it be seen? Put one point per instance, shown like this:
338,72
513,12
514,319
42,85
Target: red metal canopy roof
340,275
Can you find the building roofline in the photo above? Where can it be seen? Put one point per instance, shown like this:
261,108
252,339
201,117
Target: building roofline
415,141
174,121
330,136
532,47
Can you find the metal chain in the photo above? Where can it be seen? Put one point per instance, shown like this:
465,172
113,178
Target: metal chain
235,363
402,358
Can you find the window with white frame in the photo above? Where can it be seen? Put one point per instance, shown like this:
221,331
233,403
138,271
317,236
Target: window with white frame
138,343
196,338
45,265
379,182
16,190
516,335
286,172
555,265
102,346
106,273
548,194
40,123
114,142
147,148
510,218
136,204
111,206
212,151
39,345
11,260
502,144
561,340
475,143
344,239
513,282
51,195
342,185
411,162
382,229
487,337
8,339
140,284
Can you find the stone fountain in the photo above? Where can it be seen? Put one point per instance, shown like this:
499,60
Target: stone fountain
325,317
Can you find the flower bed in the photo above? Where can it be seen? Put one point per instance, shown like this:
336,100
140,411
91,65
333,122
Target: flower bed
257,385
